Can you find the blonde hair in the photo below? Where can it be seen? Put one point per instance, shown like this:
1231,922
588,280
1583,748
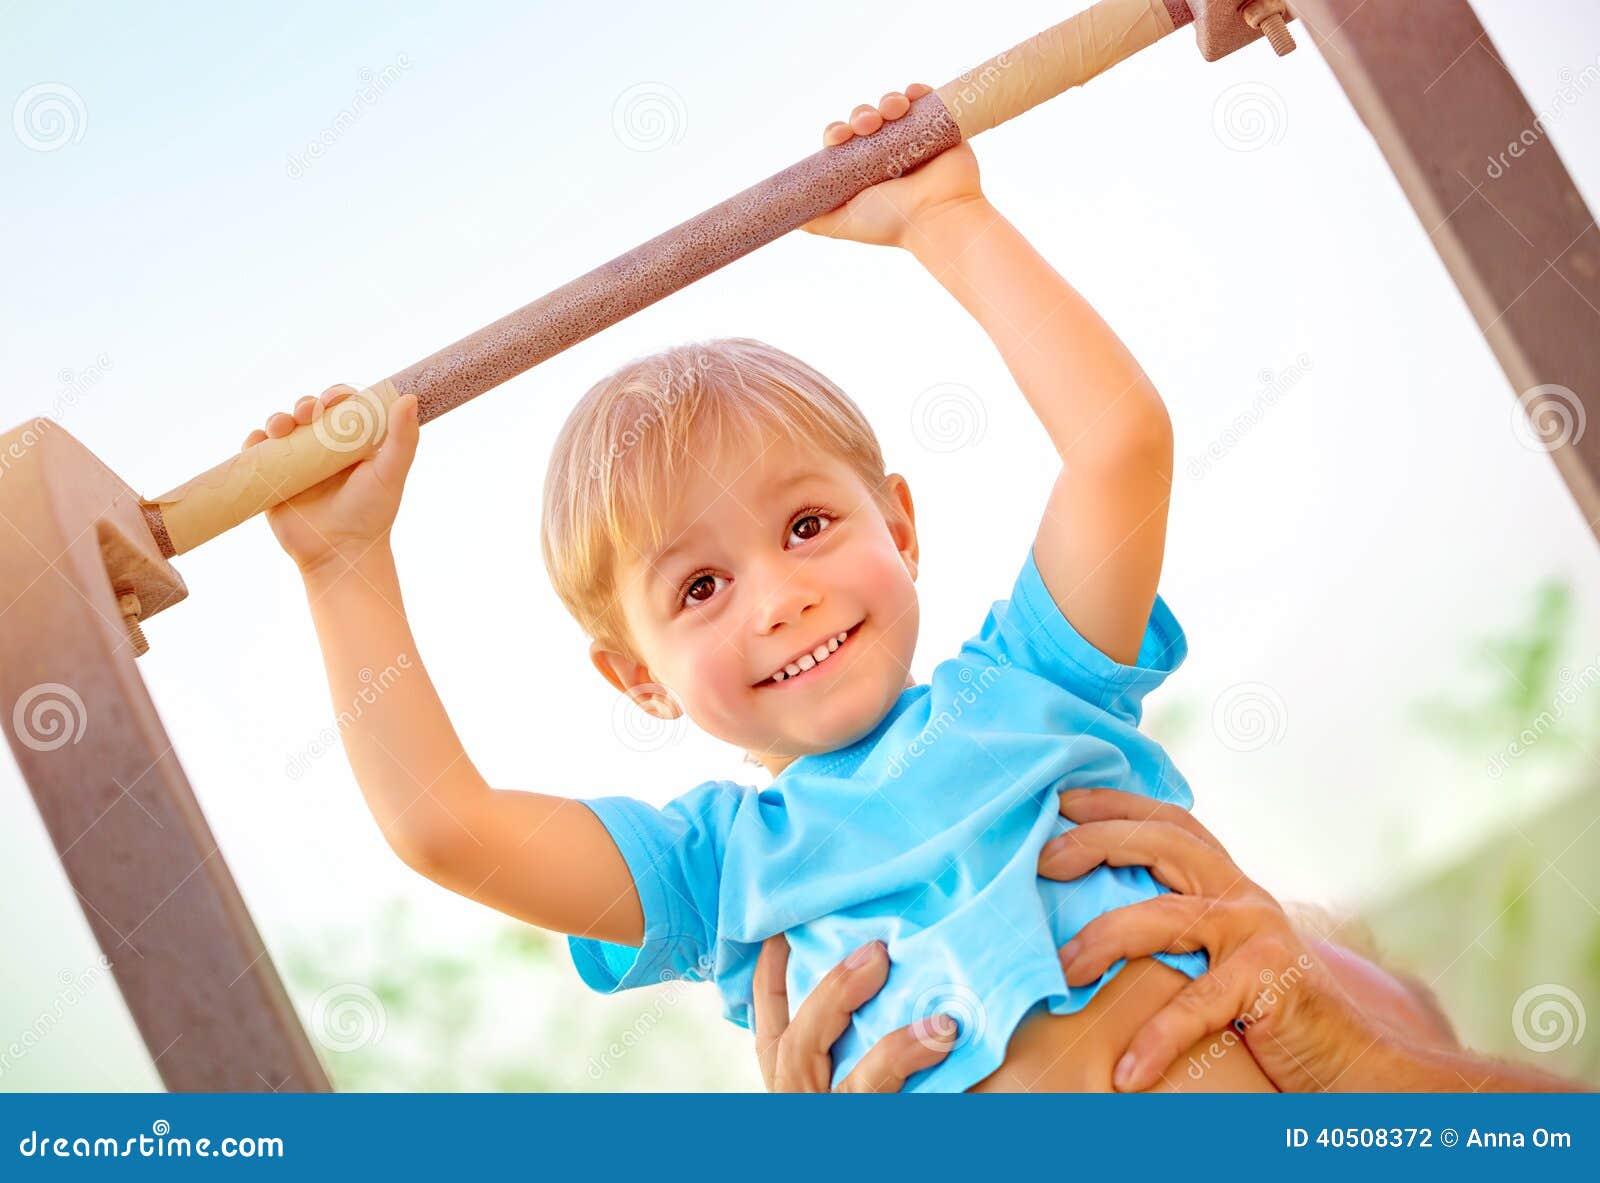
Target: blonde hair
627,444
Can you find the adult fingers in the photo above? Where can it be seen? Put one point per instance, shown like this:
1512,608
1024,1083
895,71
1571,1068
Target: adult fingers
804,1061
1096,805
1206,1005
1174,855
1167,923
893,1059
770,1002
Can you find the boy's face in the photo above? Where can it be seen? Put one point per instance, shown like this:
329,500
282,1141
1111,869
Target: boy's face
770,552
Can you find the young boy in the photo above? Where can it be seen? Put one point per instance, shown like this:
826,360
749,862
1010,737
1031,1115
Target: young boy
719,519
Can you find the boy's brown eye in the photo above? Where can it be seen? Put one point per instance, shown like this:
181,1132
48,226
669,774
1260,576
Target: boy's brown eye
704,581
808,527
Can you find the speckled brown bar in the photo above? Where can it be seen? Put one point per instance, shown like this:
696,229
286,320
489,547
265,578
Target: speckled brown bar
673,260
1179,11
158,528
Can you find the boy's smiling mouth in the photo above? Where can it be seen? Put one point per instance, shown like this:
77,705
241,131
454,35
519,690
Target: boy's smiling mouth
803,663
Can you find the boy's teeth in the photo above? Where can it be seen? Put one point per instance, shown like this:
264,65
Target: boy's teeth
819,654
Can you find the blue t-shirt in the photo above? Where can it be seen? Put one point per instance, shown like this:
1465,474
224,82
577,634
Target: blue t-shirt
924,834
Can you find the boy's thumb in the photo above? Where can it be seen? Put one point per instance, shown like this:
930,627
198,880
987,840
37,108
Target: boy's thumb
399,445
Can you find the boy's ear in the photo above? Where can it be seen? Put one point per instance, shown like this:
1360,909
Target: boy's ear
902,518
634,680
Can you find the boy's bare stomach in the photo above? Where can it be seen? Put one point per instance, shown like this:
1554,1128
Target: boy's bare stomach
1077,1053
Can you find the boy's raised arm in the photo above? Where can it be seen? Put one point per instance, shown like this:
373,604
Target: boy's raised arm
543,859
1100,544
1103,535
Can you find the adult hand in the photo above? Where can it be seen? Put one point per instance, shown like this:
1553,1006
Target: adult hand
1298,1021
796,1054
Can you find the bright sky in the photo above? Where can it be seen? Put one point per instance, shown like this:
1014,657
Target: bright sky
1233,221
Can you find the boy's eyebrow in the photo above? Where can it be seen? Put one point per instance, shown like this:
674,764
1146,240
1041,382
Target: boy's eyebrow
685,539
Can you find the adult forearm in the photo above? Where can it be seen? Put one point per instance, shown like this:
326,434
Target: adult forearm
406,756
1402,1066
1081,380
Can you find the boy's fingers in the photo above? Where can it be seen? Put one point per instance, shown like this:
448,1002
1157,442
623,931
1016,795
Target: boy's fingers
254,438
305,410
280,425
836,132
865,119
893,105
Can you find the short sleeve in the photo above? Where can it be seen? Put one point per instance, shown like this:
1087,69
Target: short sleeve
1030,632
675,856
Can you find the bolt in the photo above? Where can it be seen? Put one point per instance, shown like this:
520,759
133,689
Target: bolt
131,611
1266,17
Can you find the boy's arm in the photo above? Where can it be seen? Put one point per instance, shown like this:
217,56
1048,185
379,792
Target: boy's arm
1100,544
543,859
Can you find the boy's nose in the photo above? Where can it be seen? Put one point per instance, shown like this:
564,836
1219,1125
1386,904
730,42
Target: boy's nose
791,595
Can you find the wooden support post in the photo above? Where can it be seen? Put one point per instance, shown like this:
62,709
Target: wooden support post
136,849
1494,198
